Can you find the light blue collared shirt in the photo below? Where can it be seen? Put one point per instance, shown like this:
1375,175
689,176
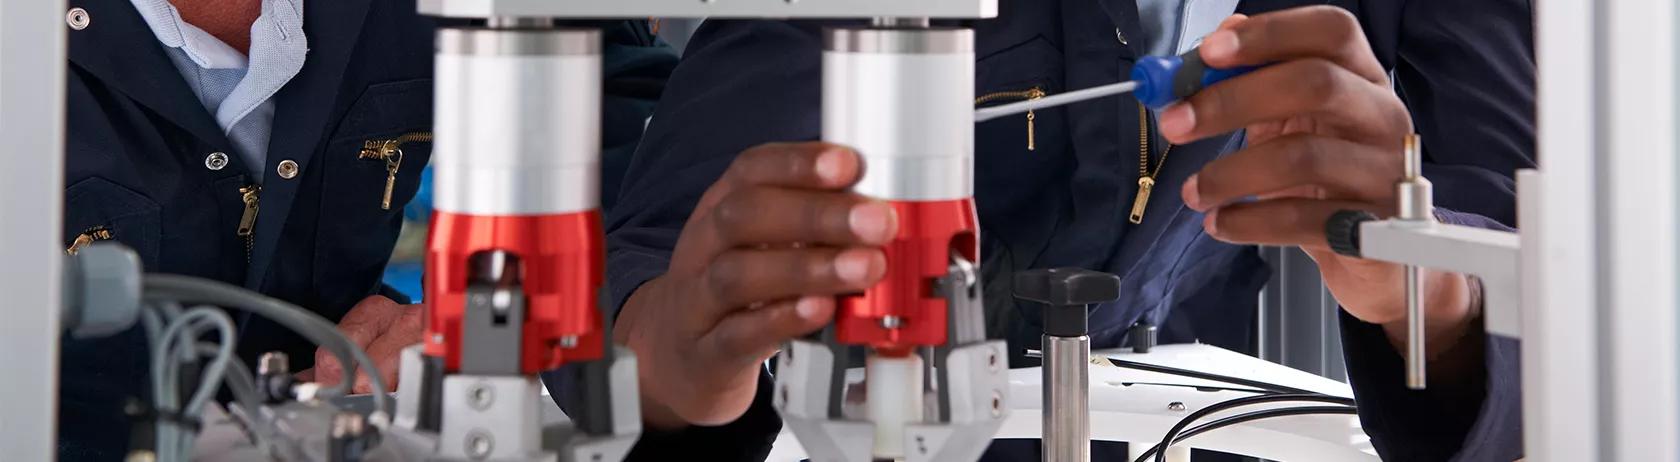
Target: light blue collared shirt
236,89
1171,27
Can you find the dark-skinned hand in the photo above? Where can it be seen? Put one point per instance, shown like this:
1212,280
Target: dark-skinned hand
1325,133
758,263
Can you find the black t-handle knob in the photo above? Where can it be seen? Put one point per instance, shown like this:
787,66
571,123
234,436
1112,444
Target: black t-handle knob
1067,292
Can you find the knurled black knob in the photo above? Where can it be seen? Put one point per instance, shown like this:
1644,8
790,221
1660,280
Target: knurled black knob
1342,231
1067,292
1141,337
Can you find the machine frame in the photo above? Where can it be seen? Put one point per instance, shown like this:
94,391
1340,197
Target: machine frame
32,71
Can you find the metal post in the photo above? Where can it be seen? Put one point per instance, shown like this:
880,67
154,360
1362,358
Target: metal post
32,63
1640,357
1067,400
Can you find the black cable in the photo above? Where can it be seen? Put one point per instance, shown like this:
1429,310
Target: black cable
1245,418
1221,406
1271,387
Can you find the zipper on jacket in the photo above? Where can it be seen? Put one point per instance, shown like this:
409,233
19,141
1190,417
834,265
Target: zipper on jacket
251,196
92,235
1023,95
390,151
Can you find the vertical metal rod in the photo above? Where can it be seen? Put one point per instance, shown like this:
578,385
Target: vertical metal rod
1416,361
1417,205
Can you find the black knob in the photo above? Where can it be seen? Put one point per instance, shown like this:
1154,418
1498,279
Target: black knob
1067,291
1342,231
1141,337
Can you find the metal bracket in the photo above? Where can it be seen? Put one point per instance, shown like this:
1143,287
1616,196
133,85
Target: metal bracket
972,377
1492,256
492,328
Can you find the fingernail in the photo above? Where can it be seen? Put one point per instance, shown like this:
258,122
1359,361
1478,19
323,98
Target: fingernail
808,307
1192,195
1210,223
830,166
873,222
852,266
1178,120
1220,46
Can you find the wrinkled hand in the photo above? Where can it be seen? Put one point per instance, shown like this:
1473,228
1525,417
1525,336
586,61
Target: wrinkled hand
382,328
1325,133
758,263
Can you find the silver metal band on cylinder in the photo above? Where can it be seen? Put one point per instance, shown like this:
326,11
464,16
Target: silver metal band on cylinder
904,99
517,121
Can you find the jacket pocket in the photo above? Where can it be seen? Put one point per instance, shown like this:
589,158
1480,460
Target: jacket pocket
96,209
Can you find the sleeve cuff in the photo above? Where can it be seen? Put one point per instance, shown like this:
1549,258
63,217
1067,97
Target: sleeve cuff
1479,419
746,439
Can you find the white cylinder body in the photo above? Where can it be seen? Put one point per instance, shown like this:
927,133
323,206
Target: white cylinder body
904,98
895,399
518,121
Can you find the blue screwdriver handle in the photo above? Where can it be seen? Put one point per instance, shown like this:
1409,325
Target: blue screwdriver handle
1163,80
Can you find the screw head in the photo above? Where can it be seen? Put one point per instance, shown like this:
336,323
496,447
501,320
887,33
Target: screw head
891,322
997,404
481,397
479,444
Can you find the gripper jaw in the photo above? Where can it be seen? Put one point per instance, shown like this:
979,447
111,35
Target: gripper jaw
969,378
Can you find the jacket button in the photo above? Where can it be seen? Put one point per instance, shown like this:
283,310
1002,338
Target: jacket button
287,169
215,161
78,18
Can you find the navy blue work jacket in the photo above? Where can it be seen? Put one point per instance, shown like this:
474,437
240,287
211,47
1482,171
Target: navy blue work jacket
1465,69
138,141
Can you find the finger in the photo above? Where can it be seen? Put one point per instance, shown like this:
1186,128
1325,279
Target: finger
1343,169
1325,32
1231,21
386,353
369,318
1282,222
1275,93
327,369
749,337
810,165
743,277
306,375
756,216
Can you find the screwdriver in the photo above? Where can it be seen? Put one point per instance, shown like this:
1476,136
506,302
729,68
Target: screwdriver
1157,81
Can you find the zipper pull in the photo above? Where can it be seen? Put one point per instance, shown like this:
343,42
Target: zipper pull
1032,141
87,238
248,220
82,241
1146,185
393,161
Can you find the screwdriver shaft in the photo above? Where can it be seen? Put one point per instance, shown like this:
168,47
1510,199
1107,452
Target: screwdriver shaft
994,112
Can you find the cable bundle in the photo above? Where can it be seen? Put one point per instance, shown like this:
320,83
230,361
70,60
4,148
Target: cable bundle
1269,393
174,334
